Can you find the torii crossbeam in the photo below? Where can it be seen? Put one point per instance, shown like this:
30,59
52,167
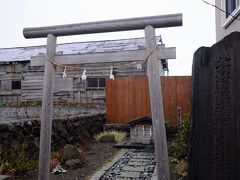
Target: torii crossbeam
147,23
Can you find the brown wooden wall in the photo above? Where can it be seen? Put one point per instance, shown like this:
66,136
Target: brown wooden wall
127,98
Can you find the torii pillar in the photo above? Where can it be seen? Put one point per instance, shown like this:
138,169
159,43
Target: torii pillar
147,23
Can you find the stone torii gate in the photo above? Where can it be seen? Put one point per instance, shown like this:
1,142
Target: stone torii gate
146,23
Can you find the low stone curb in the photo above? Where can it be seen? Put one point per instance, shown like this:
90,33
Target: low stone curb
105,168
4,177
154,176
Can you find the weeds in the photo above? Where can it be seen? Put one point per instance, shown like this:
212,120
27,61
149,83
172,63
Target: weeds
179,148
26,109
55,157
23,106
19,158
58,106
16,160
69,102
17,106
148,149
3,105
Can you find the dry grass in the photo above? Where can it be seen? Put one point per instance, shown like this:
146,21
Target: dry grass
182,168
118,136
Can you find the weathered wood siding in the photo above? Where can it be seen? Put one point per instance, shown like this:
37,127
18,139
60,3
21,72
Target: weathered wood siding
10,72
127,98
32,85
15,65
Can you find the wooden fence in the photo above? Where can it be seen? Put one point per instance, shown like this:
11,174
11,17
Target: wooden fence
127,98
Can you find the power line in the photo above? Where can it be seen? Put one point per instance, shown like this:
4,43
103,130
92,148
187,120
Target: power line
220,9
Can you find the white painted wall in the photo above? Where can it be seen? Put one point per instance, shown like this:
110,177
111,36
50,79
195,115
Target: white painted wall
222,31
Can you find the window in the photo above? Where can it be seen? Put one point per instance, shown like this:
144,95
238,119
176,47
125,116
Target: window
231,7
92,82
96,82
16,84
102,82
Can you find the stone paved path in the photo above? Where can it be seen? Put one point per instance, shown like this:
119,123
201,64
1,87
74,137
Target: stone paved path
130,164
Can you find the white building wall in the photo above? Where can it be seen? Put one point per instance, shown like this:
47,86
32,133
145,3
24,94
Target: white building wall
224,27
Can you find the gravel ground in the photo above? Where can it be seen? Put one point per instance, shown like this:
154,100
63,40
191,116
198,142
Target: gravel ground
7,114
97,154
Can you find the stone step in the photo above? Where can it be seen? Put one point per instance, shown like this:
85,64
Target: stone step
133,169
126,175
132,163
142,157
139,160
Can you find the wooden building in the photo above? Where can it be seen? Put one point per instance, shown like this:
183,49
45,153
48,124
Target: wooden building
141,130
20,81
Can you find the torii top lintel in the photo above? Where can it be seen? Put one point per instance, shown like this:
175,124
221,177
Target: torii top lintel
161,21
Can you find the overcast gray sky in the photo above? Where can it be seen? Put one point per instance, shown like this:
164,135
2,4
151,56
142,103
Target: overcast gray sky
198,22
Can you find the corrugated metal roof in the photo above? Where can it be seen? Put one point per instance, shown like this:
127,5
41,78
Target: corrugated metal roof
24,53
